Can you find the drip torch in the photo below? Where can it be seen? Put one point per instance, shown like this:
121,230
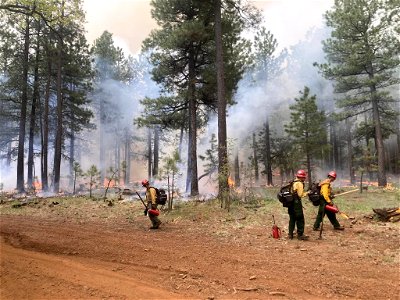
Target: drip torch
276,231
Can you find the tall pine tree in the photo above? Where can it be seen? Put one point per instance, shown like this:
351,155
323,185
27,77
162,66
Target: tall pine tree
307,128
363,57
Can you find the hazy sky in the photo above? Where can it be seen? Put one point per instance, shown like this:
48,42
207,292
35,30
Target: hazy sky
130,20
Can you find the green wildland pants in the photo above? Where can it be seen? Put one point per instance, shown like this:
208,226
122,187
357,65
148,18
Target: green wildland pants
322,212
296,217
155,221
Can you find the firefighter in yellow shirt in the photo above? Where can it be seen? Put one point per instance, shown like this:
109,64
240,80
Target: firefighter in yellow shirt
151,210
295,210
326,199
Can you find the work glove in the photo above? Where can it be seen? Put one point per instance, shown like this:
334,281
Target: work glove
145,212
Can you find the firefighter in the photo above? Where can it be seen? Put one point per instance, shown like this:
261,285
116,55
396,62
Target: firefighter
295,210
151,209
326,199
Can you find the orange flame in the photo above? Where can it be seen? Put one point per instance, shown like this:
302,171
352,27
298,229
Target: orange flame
37,185
231,182
107,181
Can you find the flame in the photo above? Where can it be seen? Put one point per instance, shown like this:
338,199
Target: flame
231,182
37,185
389,187
112,183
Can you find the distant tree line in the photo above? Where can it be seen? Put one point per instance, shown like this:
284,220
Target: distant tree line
54,87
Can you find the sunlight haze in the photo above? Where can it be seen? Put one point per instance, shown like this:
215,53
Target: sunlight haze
130,21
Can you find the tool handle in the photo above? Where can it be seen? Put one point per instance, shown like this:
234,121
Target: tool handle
141,199
348,192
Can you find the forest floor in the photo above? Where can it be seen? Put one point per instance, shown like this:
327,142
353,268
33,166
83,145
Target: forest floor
76,248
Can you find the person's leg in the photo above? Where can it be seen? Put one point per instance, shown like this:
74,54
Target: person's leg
299,217
333,220
292,221
320,215
300,222
154,221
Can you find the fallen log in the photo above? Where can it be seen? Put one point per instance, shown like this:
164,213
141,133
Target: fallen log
388,214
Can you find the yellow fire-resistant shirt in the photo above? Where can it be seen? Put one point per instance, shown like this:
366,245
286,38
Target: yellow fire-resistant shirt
326,190
298,187
151,195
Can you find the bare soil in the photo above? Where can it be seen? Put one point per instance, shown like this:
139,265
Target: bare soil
53,256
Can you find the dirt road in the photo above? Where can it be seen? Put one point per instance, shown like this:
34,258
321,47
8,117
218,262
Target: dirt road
58,258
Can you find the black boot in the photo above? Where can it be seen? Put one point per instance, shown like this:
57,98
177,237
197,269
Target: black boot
302,237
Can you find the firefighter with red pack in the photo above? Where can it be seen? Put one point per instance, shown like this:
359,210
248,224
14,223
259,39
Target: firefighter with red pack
151,210
295,210
326,199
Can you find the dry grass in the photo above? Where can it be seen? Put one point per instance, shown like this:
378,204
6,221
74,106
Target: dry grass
257,210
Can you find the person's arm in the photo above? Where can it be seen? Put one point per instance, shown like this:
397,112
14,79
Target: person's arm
299,189
325,192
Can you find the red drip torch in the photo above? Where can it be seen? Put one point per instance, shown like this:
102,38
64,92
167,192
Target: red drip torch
276,231
154,212
332,208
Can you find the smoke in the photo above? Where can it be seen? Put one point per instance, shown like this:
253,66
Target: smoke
299,29
129,20
289,21
122,108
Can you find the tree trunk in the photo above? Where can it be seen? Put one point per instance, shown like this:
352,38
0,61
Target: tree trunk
378,140
127,158
149,154
309,170
72,156
156,150
117,162
222,135
102,150
45,138
192,154
24,104
255,160
350,152
9,151
181,140
335,147
268,164
237,169
59,109
32,125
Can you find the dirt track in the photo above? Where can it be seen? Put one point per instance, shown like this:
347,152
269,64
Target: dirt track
63,259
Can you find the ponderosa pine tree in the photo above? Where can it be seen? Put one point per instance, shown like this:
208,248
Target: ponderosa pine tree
363,58
49,38
307,128
110,65
267,66
183,52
